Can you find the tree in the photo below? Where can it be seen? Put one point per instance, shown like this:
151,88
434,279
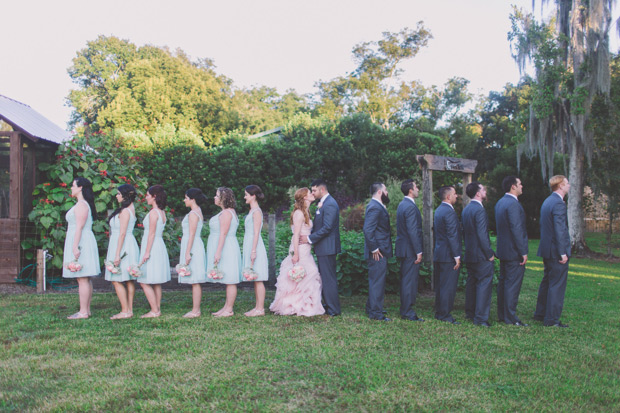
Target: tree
373,88
571,59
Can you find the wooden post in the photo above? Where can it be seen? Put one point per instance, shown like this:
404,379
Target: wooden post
40,271
271,220
16,176
427,206
467,179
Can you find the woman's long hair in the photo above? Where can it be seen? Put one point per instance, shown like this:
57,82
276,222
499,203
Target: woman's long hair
300,204
157,192
88,194
197,195
128,192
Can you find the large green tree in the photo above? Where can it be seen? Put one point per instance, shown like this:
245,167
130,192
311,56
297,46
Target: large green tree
571,59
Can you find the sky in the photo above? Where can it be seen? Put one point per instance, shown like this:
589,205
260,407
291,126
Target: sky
286,44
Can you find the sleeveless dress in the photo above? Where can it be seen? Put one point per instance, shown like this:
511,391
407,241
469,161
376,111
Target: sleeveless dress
130,248
156,270
89,254
261,266
304,297
230,260
198,263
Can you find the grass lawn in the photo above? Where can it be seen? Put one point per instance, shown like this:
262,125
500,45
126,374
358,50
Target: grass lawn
348,363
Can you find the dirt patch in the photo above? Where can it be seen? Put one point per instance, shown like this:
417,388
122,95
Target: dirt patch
16,289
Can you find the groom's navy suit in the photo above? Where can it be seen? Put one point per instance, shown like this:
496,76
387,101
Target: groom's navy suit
409,244
447,247
376,236
479,269
511,247
325,238
554,242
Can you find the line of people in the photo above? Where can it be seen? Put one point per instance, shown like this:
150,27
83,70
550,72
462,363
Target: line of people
512,251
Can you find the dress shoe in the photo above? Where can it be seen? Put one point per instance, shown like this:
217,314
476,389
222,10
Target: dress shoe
414,318
384,318
483,324
537,318
521,324
334,315
558,325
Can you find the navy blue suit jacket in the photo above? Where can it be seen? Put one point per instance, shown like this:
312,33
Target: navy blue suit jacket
409,241
377,230
554,237
325,236
447,234
476,233
511,232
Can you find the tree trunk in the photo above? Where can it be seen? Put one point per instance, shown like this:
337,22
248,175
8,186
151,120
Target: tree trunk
576,170
610,231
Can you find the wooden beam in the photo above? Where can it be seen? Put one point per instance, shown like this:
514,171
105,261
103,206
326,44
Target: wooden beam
16,178
427,211
443,163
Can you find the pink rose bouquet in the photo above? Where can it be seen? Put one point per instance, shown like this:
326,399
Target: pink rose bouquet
249,274
297,273
73,266
134,271
109,265
215,274
183,270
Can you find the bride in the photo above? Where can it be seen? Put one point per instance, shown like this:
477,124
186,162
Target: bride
301,297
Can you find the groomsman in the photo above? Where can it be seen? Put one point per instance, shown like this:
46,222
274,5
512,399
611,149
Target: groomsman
447,254
409,248
511,250
325,238
377,249
479,256
554,248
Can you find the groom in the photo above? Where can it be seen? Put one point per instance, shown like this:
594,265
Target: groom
325,237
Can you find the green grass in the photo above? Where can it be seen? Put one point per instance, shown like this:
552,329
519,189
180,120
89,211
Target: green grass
313,364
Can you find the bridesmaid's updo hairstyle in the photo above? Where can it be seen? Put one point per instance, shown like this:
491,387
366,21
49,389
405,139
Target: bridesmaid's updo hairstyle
88,194
157,192
197,195
227,197
256,191
300,204
128,192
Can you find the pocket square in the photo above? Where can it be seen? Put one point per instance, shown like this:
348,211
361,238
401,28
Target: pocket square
318,212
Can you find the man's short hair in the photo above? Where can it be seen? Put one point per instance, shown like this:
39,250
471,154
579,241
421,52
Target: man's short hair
319,182
375,187
407,186
556,181
472,189
444,191
508,182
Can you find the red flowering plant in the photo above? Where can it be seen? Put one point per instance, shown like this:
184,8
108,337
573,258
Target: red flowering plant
103,160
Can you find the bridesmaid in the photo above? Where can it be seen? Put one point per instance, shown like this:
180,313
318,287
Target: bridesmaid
154,262
254,253
123,249
81,245
193,249
223,248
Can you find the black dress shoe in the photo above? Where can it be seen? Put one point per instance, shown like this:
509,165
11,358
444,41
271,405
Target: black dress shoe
521,324
384,318
483,324
456,323
414,318
558,325
334,315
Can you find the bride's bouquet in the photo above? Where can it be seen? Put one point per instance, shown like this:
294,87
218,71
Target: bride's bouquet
297,273
109,265
249,274
215,274
134,271
183,270
73,266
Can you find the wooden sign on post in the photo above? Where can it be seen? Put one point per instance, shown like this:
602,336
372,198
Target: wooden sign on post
430,163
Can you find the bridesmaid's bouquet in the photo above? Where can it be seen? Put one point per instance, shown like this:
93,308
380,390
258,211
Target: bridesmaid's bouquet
183,270
109,265
249,274
297,273
134,271
215,274
73,266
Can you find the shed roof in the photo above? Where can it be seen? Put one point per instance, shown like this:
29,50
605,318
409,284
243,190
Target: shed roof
30,122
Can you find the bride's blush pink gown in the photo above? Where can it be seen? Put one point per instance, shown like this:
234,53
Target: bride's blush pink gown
303,297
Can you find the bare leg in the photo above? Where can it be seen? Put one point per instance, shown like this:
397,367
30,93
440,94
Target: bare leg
131,292
121,292
90,292
85,292
231,295
152,299
196,299
259,292
157,289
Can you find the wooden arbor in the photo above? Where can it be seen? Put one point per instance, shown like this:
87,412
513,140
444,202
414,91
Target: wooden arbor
430,163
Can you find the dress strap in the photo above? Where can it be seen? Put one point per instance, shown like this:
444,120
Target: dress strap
160,216
197,214
234,214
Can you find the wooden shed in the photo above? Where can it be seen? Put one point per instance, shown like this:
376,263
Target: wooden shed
26,139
